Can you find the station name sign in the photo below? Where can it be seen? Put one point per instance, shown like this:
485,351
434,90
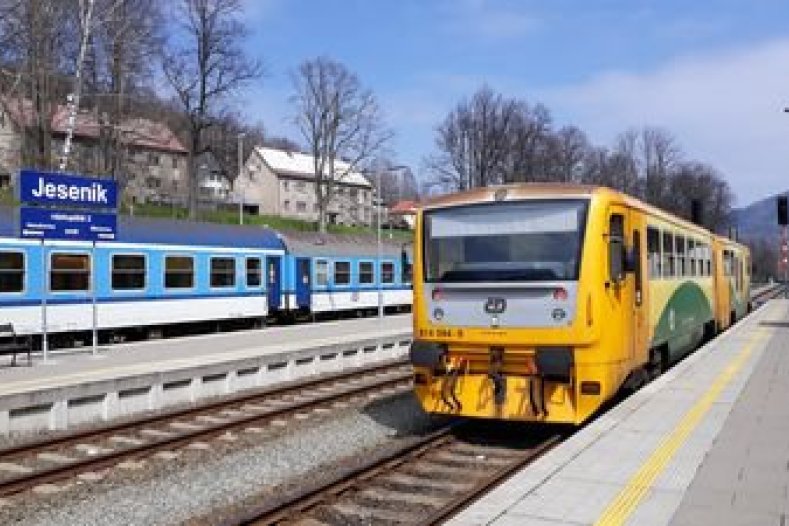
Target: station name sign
59,189
42,223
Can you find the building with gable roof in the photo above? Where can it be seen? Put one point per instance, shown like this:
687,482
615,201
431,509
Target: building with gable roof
152,160
282,183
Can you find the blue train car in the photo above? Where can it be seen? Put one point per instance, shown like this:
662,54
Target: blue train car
164,273
342,273
159,272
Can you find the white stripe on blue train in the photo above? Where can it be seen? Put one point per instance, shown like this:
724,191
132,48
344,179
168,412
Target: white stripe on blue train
165,272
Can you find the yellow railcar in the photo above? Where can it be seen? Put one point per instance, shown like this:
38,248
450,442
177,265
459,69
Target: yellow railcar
538,302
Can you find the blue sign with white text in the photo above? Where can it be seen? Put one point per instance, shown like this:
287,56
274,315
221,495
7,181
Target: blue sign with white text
42,223
59,189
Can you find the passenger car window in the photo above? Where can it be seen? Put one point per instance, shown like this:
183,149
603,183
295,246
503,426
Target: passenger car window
128,272
69,272
12,271
342,273
178,272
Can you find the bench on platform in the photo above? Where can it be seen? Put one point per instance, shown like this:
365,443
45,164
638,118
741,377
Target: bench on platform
12,343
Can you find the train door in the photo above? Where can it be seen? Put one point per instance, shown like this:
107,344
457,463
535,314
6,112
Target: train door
303,284
620,288
274,282
639,262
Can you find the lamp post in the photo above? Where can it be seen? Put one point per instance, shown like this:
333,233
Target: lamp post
239,190
785,251
379,248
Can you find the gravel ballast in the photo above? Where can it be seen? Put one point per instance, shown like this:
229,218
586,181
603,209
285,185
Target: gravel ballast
197,483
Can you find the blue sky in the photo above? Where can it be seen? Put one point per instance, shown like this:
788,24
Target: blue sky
714,73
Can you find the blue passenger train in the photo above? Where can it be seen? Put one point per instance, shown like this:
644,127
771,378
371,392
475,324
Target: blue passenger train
163,274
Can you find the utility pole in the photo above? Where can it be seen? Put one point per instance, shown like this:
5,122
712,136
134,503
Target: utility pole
380,251
239,190
85,15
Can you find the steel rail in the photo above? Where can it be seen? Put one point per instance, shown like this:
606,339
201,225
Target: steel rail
104,460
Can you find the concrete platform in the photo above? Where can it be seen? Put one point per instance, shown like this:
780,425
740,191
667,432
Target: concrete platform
706,443
76,387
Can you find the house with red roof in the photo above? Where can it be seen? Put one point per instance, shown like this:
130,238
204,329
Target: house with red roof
151,160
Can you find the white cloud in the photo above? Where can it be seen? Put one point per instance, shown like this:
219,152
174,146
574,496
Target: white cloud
724,108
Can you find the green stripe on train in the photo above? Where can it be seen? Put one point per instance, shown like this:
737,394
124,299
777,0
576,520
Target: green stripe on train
681,323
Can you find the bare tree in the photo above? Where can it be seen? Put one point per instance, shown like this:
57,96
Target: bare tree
205,65
35,38
530,144
340,122
125,45
659,156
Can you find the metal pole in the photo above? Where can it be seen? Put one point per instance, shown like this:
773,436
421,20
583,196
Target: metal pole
94,330
238,179
784,256
44,292
380,266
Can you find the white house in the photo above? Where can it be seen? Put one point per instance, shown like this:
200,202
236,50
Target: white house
280,182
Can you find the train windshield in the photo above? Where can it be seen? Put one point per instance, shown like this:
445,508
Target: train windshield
537,240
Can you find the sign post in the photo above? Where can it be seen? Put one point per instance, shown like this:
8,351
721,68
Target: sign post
67,207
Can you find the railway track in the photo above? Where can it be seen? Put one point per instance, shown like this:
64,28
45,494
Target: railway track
423,482
57,459
767,293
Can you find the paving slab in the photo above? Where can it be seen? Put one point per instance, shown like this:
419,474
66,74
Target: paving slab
706,443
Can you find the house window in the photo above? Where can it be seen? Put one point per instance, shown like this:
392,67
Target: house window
301,185
153,159
301,206
12,271
354,193
321,273
175,162
387,272
284,185
179,272
366,276
69,272
286,205
128,272
342,273
253,272
223,272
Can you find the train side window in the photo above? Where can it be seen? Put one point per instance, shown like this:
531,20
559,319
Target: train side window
321,273
254,272
691,259
342,273
653,253
223,272
12,271
668,255
387,272
708,259
679,243
179,272
701,252
69,272
727,263
616,247
366,276
128,272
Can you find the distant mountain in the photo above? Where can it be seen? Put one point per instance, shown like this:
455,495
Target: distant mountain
758,220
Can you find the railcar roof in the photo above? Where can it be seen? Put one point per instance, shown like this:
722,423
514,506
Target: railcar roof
315,244
513,190
151,230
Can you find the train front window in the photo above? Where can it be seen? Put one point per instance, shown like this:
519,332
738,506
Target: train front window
537,240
